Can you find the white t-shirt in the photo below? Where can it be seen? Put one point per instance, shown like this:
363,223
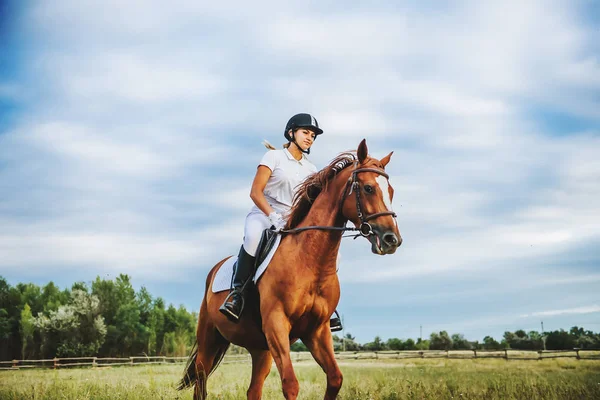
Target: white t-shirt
286,174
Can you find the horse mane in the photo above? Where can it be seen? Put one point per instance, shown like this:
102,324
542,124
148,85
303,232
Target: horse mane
313,185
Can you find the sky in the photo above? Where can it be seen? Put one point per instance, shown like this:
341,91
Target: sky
130,133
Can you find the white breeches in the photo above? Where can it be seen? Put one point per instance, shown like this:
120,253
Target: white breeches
256,223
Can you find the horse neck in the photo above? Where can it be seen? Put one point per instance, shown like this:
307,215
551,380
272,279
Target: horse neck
323,244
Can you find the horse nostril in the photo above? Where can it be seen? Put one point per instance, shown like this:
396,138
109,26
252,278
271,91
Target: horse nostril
390,239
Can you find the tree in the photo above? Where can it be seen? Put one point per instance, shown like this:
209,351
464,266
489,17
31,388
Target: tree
74,330
560,340
422,344
157,326
32,295
10,316
376,345
349,343
121,313
520,340
520,334
27,329
52,297
460,343
394,344
489,343
5,325
440,341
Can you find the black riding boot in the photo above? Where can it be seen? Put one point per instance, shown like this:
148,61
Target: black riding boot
232,308
335,323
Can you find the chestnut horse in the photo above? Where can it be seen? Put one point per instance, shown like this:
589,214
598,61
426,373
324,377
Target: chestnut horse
299,290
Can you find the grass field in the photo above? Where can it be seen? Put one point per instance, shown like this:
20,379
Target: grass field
363,379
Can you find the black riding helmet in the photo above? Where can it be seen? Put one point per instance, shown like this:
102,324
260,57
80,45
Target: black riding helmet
302,121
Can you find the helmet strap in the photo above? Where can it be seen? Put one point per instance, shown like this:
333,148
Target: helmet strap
296,143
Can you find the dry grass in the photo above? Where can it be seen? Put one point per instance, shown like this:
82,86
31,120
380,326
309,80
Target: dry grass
363,379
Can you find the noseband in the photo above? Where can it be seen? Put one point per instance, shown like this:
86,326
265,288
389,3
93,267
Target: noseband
365,228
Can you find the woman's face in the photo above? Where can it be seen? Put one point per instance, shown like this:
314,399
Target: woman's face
304,138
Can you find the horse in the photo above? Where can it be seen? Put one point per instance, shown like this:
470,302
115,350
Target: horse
299,290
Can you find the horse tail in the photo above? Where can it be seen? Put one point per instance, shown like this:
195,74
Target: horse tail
218,358
191,372
190,369
192,375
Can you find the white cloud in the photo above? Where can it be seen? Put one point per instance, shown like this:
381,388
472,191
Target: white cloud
577,310
129,77
143,126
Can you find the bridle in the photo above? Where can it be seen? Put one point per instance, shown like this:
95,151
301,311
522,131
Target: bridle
365,229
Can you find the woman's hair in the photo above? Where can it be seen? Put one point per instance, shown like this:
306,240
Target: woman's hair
288,144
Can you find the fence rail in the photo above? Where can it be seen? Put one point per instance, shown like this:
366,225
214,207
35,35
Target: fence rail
508,354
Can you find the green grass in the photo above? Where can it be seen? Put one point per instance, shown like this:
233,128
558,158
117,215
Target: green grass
363,379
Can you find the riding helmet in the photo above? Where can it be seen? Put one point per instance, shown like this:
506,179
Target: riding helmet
302,120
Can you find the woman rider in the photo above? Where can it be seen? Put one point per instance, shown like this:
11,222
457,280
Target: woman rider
273,189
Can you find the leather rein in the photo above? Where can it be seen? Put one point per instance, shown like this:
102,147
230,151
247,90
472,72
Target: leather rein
365,228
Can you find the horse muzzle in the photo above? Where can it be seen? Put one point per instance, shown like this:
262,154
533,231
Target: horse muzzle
384,241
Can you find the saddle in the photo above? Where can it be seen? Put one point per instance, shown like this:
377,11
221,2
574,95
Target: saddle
251,294
267,240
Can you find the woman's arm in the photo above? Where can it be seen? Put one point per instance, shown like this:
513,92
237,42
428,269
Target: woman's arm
263,173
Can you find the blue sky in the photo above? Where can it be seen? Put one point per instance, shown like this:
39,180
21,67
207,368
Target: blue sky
130,132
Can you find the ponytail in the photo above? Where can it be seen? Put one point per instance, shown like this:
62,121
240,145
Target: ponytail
268,145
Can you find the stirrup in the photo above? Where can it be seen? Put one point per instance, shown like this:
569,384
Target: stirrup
227,312
335,323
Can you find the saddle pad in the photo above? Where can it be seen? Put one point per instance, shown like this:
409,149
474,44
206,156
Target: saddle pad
222,280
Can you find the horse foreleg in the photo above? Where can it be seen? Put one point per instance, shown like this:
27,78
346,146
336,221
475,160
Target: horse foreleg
320,344
261,366
277,330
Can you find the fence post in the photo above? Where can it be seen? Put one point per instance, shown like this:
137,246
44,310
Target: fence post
376,357
539,354
15,363
475,353
55,362
577,351
447,354
94,362
506,354
422,354
397,355
131,361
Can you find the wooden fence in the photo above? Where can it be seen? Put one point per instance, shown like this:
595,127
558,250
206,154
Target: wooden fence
509,354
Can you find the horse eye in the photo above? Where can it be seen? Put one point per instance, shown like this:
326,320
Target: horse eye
369,189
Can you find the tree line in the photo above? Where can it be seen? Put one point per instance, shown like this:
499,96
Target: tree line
111,319
560,339
108,319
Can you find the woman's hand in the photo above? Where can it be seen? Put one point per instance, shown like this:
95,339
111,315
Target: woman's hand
276,220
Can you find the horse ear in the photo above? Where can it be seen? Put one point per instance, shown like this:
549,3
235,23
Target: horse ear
362,151
385,160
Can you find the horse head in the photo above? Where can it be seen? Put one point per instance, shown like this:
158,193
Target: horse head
367,201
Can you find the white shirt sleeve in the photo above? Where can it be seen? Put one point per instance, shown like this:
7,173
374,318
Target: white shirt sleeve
270,160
